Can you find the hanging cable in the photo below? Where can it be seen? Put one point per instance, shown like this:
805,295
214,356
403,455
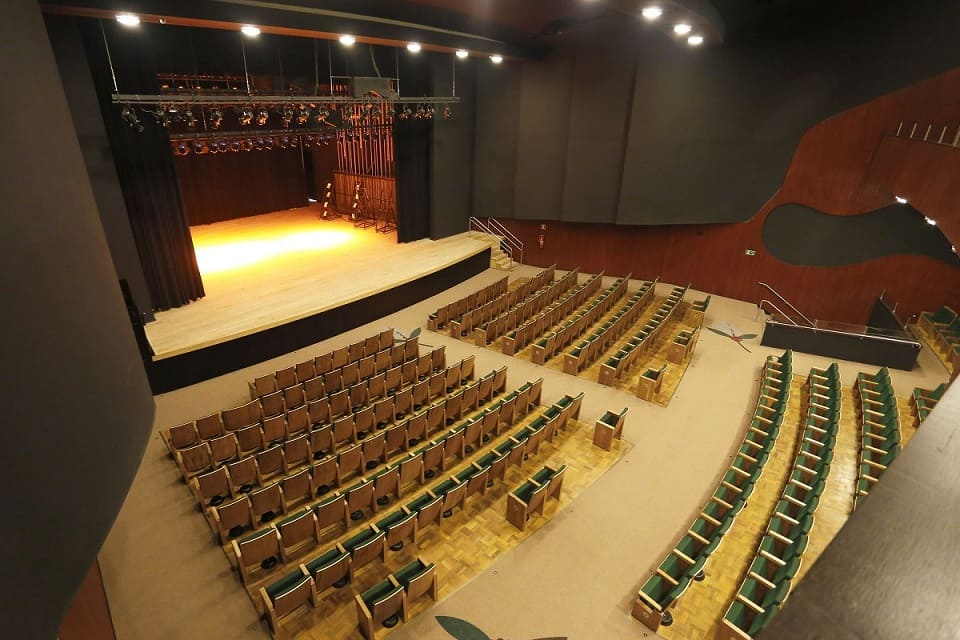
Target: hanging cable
109,58
374,61
246,74
316,69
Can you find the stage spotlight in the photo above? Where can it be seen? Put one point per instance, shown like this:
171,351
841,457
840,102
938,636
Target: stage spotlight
321,114
294,141
430,111
695,41
258,145
250,31
212,147
128,19
421,112
190,119
284,142
268,145
198,147
215,118
222,146
496,58
651,13
262,117
447,113
303,115
129,114
414,47
248,144
463,54
287,116
235,145
246,116
682,28
183,149
347,40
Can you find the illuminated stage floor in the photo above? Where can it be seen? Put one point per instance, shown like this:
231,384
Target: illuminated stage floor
265,271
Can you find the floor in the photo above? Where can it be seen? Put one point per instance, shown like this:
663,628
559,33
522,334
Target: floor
577,577
322,264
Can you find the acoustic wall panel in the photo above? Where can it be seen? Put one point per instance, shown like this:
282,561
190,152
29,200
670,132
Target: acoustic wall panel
542,141
600,99
453,147
495,139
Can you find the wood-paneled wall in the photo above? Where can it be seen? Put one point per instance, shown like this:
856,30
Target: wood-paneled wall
88,617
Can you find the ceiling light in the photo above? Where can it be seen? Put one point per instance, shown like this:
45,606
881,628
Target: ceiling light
250,30
347,40
413,47
695,41
682,28
930,221
651,13
462,53
901,199
496,58
128,19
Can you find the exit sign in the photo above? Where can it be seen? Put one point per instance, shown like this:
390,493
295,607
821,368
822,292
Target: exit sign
750,252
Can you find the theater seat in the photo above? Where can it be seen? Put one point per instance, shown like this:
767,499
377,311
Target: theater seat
286,595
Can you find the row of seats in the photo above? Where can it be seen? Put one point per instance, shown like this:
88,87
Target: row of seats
335,463
944,325
309,396
319,365
528,308
335,567
555,341
779,555
924,400
462,326
523,335
365,405
623,359
879,429
686,561
592,347
386,602
438,319
529,498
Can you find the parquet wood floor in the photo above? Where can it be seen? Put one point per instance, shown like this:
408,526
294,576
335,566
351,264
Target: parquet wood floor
465,544
699,611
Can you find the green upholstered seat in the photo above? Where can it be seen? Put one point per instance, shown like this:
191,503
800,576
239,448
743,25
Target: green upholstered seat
420,502
287,583
359,539
524,491
411,571
325,560
444,487
379,591
388,521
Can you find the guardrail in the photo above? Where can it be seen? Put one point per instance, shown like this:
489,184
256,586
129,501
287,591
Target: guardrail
509,243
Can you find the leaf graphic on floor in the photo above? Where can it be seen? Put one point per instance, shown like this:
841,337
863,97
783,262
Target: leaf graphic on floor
461,629
731,332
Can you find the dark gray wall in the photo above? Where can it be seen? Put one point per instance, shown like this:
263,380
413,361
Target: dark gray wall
832,241
77,408
452,148
680,135
87,119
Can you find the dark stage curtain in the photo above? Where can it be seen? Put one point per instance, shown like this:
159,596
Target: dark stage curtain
412,152
150,189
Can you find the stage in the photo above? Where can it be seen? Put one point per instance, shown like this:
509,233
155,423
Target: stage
279,281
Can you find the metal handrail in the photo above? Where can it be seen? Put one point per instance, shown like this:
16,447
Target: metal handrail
942,138
484,228
508,235
871,336
787,302
760,308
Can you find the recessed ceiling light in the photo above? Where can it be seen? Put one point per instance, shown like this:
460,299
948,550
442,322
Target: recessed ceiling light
462,53
413,47
250,30
901,199
496,58
128,19
682,28
347,40
930,221
651,13
695,41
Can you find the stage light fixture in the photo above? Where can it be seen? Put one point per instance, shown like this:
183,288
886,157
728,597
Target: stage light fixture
496,58
901,199
236,145
682,28
215,118
303,115
222,146
198,147
287,116
248,144
463,54
128,19
447,113
250,31
183,149
321,114
246,116
695,41
129,114
262,117
258,145
651,13
414,47
191,120
347,40
294,141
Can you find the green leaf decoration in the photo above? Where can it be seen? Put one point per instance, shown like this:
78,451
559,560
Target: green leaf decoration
748,336
461,629
719,332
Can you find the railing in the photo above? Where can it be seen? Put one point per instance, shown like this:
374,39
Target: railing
787,302
774,307
509,243
931,133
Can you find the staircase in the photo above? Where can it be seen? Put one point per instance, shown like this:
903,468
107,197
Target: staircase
498,258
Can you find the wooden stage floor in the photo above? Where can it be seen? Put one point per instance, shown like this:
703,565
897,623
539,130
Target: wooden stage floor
263,271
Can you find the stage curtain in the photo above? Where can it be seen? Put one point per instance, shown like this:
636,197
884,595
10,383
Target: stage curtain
150,187
412,151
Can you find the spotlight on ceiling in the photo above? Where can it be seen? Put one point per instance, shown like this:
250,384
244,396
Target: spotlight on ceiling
130,115
347,40
496,58
262,117
651,13
682,28
462,53
215,118
901,200
246,116
413,47
128,19
930,221
250,30
695,41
